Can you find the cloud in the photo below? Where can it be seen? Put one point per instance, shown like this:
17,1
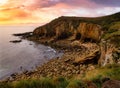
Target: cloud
43,11
34,4
112,3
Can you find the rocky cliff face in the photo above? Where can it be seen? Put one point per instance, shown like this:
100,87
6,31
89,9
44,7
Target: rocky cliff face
63,27
89,31
67,28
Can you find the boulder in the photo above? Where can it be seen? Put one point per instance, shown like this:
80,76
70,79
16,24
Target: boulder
86,57
111,84
91,85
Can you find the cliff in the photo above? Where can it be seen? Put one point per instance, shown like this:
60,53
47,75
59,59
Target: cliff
83,28
65,29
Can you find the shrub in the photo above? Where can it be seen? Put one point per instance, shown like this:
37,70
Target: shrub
97,80
5,85
76,84
60,82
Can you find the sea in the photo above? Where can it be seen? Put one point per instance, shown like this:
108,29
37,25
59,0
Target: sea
19,57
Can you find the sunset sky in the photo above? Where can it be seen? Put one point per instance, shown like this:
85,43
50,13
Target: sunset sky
43,11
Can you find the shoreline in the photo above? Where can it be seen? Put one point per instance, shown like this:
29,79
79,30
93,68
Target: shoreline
54,67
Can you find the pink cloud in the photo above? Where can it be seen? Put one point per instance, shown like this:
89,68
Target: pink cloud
43,11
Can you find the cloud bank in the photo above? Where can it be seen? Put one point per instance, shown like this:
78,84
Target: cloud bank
42,11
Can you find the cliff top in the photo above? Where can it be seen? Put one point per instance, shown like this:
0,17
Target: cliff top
104,21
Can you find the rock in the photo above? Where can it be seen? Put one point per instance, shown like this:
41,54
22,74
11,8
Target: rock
104,79
78,72
111,84
55,70
106,56
76,42
62,28
89,56
91,68
67,60
24,34
16,41
89,31
91,85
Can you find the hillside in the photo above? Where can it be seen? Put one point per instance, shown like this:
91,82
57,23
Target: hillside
64,27
104,21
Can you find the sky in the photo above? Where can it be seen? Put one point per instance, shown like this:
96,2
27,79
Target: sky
43,11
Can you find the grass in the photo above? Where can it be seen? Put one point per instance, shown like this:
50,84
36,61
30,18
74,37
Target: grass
109,35
98,75
6,85
44,83
35,83
113,37
115,26
76,84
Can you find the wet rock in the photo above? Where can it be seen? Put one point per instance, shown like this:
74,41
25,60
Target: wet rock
16,41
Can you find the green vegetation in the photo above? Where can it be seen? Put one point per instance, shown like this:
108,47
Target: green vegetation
113,36
97,76
115,26
76,84
109,35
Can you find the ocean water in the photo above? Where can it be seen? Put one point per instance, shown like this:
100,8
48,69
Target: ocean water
26,54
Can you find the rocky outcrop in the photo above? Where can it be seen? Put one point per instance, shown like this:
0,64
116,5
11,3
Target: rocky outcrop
88,56
106,56
40,31
89,31
62,28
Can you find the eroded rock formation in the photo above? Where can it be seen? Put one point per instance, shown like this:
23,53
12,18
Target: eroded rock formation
61,29
106,56
89,31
